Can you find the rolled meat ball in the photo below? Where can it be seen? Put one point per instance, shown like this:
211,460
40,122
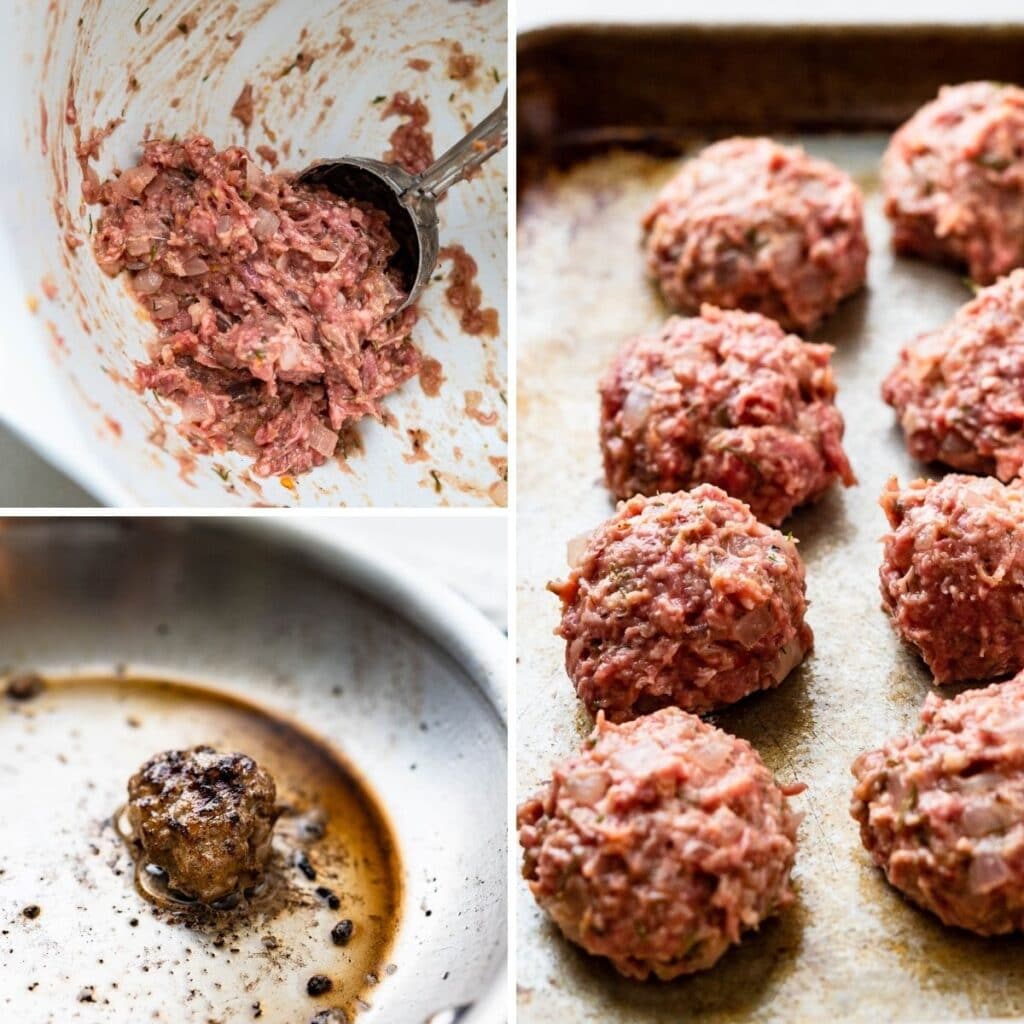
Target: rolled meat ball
681,600
957,390
205,818
660,844
750,224
952,574
942,811
953,178
725,398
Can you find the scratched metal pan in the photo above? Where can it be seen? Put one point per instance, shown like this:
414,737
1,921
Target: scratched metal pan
591,160
392,673
176,67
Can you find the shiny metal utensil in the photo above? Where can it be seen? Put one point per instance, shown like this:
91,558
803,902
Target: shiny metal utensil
411,201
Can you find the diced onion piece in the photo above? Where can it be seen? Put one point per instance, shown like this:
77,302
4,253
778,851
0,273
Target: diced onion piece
253,176
636,408
266,224
224,224
987,872
982,817
195,408
194,266
322,440
587,788
139,245
147,281
323,255
164,307
132,183
749,629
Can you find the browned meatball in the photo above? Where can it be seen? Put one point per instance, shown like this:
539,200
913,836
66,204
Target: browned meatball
942,811
725,398
749,224
659,844
681,599
952,574
958,391
205,818
954,180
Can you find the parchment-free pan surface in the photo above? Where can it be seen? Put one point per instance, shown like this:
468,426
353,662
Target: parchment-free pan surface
850,948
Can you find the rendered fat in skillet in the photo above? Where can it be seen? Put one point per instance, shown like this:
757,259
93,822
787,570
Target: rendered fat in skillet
749,224
725,398
952,574
660,844
953,177
204,818
957,390
942,811
681,599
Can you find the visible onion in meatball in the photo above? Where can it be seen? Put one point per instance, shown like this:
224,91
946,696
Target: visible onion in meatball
749,224
659,844
952,574
957,390
681,599
725,398
953,177
205,819
942,811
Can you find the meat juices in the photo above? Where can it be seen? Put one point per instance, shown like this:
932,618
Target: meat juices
274,303
725,398
953,177
957,390
205,819
681,599
749,224
659,844
952,574
942,811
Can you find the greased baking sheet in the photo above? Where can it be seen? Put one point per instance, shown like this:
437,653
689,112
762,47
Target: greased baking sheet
850,948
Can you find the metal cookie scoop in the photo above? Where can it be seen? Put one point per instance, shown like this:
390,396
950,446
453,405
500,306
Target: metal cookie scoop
411,202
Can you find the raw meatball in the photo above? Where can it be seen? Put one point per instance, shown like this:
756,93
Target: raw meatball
954,180
659,844
725,398
953,574
749,224
957,390
205,818
942,811
681,599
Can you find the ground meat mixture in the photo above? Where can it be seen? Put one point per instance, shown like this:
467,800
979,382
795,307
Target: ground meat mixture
659,844
957,390
749,224
725,398
412,146
205,818
942,811
953,574
954,180
681,599
464,294
274,303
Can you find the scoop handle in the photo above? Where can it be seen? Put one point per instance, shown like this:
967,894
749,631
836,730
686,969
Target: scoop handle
490,136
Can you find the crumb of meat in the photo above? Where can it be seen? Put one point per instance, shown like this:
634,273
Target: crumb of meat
412,146
418,64
48,286
274,305
269,154
242,109
431,377
461,65
464,294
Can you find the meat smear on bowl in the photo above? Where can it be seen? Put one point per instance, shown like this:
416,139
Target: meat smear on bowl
274,304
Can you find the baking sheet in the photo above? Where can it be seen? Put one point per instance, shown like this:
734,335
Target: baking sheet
850,948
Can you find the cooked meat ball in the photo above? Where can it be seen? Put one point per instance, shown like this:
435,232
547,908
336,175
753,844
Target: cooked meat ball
205,818
725,398
953,574
942,811
957,390
681,599
749,224
954,180
659,844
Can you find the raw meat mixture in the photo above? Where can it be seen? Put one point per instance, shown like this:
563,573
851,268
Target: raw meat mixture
273,302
